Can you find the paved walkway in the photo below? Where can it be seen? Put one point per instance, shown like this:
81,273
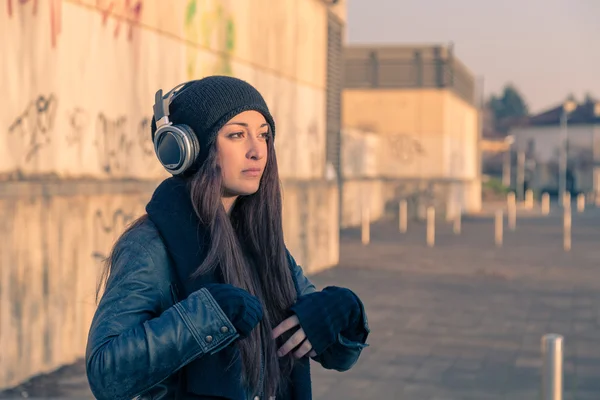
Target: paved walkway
462,320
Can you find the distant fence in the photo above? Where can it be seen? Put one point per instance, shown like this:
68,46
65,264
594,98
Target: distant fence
407,67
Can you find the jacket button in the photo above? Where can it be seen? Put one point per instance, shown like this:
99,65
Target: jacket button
224,329
209,338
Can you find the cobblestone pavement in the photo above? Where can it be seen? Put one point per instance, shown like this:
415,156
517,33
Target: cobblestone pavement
462,320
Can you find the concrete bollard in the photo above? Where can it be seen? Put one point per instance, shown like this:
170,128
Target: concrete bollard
567,228
403,216
430,226
552,367
366,226
545,204
456,228
511,203
529,199
567,200
580,202
499,231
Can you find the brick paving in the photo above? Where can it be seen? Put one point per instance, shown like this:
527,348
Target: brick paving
462,320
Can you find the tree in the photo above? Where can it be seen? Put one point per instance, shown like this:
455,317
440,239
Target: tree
589,98
509,106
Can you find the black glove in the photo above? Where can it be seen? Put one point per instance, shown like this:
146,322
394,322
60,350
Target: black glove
325,314
241,308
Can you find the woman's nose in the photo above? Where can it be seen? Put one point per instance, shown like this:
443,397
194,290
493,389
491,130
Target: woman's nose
257,149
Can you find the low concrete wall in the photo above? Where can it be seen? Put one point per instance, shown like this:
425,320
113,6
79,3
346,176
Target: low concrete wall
311,223
383,196
53,236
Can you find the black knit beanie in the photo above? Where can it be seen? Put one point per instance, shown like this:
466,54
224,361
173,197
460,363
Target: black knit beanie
207,104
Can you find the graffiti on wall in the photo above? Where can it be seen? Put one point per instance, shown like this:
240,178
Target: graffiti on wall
116,143
55,14
107,225
405,148
144,137
30,131
112,140
207,23
78,122
127,11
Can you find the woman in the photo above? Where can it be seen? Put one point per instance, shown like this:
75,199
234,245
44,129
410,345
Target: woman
201,298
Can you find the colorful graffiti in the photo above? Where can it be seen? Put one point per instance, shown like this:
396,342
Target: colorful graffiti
129,10
209,25
55,15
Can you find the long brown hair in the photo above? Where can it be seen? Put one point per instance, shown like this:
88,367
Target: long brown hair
248,247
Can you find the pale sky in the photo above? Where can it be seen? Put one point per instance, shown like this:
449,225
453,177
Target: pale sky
547,48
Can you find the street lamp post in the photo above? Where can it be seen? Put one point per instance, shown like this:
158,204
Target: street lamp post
506,170
568,106
562,161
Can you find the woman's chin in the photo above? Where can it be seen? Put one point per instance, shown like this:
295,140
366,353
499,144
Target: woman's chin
245,190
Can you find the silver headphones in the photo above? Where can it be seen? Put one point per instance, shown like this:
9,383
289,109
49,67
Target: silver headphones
176,146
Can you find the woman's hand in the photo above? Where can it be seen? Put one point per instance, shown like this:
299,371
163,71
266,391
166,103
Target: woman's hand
294,340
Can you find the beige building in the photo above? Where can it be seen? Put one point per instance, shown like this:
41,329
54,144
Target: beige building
76,161
411,130
538,145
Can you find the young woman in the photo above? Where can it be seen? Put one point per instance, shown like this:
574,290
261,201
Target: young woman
201,298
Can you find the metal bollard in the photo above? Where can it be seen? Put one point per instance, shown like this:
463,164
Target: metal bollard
512,211
430,226
403,216
552,367
366,226
545,204
499,231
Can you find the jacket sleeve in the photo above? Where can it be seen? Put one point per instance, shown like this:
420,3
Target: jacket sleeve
133,345
343,354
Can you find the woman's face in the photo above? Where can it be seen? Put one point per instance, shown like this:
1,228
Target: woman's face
242,153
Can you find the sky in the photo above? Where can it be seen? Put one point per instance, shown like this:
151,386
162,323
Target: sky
547,48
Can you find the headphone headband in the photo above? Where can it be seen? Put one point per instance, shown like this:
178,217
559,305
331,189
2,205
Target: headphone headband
161,103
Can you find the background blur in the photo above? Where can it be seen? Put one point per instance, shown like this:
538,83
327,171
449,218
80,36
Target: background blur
441,105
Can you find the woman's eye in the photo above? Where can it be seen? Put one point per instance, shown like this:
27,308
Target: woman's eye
236,135
265,134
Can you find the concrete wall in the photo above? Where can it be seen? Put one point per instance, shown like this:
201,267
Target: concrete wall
55,236
427,133
417,144
76,161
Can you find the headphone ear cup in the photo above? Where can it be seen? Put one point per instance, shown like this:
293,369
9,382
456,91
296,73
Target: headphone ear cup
176,147
195,144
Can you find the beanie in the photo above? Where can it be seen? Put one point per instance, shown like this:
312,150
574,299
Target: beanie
207,104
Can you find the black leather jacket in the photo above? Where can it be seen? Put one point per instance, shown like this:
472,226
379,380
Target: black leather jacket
141,335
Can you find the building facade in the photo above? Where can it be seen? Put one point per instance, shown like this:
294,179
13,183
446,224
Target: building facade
411,131
539,144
